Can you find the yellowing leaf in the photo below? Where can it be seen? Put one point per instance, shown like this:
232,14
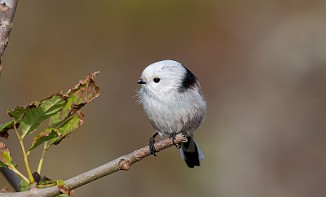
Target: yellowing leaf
46,135
5,157
68,127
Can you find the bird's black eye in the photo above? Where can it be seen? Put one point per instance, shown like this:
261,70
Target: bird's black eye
156,79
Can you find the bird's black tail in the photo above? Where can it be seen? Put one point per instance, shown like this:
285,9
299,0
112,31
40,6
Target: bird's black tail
191,153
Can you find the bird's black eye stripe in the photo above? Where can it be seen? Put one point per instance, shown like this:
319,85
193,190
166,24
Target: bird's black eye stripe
156,79
189,81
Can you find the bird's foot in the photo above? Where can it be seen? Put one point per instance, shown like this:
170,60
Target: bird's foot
152,149
172,136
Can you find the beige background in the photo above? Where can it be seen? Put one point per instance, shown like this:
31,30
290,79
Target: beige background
262,66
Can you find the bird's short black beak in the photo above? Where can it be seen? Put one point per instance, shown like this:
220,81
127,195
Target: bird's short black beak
140,81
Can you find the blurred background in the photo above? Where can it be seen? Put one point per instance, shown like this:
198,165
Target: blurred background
262,66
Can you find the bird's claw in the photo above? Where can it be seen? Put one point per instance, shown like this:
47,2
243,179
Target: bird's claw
185,139
152,149
172,136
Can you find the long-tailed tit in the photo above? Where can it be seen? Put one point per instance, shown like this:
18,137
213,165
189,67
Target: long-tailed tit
172,100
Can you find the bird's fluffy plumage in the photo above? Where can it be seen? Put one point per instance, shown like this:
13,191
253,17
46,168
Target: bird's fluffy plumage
172,100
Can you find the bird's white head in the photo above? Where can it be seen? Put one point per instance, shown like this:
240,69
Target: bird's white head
166,76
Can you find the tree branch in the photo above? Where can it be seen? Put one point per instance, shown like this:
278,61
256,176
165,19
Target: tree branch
7,12
121,163
11,177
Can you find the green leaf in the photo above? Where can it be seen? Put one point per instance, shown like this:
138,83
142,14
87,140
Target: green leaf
60,117
71,125
46,135
84,92
67,127
55,135
60,182
68,118
39,111
5,127
24,186
66,121
45,182
17,113
5,157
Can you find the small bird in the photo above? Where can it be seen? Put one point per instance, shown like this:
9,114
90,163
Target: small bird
172,99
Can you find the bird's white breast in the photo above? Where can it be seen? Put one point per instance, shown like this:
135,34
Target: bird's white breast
174,111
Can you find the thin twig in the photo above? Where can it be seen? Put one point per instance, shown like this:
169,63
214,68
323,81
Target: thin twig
40,164
121,163
28,169
19,174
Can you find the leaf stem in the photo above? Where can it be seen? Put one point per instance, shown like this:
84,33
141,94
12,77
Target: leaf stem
28,169
14,169
40,164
